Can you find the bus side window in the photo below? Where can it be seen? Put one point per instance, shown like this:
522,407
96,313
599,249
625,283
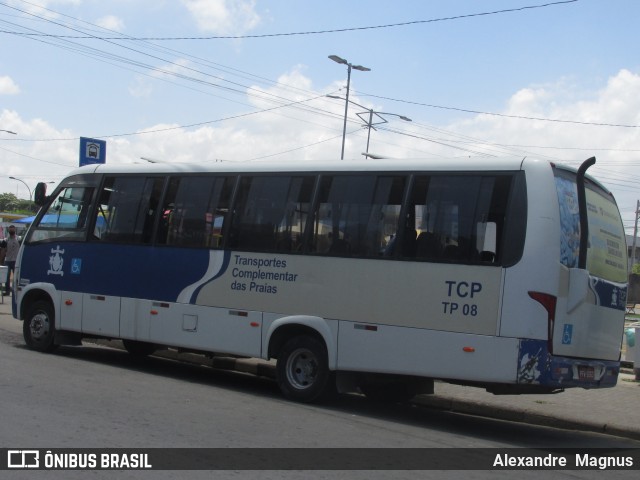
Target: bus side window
358,215
459,218
270,213
127,209
194,211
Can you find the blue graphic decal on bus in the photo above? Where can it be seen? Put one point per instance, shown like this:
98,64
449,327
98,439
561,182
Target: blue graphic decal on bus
609,294
217,266
567,334
76,266
569,221
532,361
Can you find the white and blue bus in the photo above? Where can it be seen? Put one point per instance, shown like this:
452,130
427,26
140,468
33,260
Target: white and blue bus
376,277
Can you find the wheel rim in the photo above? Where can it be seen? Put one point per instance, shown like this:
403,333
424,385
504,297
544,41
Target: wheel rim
39,326
302,368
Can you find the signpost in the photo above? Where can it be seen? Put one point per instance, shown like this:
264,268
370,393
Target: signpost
92,151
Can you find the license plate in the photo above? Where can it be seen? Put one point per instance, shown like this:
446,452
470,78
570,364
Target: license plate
586,373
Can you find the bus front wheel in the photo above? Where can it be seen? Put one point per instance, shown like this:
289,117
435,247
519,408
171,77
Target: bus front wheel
302,369
38,328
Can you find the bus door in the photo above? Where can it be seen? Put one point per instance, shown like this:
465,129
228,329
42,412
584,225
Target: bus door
589,318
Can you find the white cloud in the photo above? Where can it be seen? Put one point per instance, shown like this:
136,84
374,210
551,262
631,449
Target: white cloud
8,86
290,133
33,162
297,86
111,22
615,147
617,103
40,7
224,17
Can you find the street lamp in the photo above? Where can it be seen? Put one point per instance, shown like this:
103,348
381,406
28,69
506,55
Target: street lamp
342,61
8,131
369,122
25,184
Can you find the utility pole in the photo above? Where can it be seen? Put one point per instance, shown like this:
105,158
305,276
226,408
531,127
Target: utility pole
635,233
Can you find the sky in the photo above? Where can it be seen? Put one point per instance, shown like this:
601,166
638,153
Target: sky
247,80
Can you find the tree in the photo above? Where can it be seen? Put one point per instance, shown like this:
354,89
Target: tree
8,202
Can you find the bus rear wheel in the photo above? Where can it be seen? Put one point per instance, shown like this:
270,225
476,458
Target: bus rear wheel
38,327
302,369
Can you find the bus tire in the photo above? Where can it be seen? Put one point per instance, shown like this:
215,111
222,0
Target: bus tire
302,369
38,327
139,349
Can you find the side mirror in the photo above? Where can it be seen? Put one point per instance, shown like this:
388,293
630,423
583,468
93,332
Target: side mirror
40,194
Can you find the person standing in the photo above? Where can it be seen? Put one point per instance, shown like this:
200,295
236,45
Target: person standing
12,245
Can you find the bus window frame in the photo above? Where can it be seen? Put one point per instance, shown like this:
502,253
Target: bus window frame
514,223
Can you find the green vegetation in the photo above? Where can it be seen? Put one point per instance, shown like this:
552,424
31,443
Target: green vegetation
9,203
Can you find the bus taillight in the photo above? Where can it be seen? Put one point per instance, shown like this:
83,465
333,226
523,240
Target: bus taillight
549,304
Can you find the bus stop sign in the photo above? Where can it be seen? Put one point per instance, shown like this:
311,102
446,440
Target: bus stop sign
92,151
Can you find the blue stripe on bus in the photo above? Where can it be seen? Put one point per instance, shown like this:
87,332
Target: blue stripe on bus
223,269
153,273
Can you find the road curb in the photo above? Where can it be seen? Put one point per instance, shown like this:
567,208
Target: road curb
521,416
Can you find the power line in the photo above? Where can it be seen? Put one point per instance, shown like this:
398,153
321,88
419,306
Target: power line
478,112
85,50
102,55
311,32
34,158
178,127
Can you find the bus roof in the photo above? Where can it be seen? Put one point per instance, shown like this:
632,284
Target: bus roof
466,163
470,164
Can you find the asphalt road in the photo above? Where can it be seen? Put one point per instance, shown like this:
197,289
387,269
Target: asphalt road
98,397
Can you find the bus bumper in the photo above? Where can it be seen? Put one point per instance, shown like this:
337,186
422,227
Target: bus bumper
572,372
537,367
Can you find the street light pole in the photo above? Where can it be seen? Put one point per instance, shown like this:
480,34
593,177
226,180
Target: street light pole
350,66
25,184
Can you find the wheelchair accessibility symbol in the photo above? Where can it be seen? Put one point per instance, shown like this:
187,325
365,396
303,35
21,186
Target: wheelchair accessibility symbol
76,266
567,333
